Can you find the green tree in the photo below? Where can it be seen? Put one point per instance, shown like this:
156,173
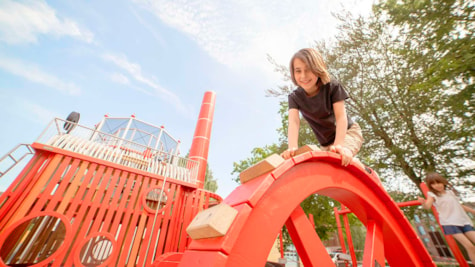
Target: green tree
441,31
404,113
210,183
411,93
440,47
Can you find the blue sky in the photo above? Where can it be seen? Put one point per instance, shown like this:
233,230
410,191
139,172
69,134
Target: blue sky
155,59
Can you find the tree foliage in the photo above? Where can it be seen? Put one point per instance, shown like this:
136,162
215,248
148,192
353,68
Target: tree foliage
409,70
210,183
406,114
439,46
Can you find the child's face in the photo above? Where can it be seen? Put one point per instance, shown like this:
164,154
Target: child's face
304,76
439,187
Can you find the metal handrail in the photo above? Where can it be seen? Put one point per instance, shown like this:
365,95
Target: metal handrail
9,155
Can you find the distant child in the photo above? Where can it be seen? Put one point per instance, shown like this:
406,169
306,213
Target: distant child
452,214
321,101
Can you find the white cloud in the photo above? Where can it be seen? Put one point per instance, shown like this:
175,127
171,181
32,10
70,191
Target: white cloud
119,78
33,73
239,33
24,21
25,111
39,114
135,71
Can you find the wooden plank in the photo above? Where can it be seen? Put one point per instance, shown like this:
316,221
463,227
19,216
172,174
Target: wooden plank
307,148
103,196
86,211
12,199
141,183
146,248
212,222
170,216
72,187
262,167
38,184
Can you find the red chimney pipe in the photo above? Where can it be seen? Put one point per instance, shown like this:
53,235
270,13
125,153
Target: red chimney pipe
201,139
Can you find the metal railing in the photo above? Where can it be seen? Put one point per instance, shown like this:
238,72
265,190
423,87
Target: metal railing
13,159
93,143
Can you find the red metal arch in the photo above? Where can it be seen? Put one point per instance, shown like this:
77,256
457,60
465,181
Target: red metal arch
268,202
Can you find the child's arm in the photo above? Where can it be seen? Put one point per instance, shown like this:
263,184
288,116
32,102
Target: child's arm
426,203
468,209
341,127
293,133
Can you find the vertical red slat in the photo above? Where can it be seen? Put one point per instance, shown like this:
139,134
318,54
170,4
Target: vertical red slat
138,241
146,244
374,245
113,201
27,200
136,212
178,211
164,229
349,239
15,191
45,194
123,216
191,209
86,211
173,220
104,194
64,183
155,231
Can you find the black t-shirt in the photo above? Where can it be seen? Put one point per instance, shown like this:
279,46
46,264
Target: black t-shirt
318,109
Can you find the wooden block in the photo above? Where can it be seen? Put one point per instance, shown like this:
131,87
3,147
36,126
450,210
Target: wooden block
307,148
264,166
212,222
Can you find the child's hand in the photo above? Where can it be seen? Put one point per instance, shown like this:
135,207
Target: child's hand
422,200
287,154
346,155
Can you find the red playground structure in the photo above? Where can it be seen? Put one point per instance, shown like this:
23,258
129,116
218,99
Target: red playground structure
121,195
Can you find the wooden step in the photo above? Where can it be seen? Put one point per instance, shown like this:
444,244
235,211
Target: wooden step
307,148
212,222
262,167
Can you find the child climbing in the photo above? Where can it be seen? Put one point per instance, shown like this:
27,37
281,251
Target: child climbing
452,215
321,101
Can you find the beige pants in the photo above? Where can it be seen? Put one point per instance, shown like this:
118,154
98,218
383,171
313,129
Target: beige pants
353,139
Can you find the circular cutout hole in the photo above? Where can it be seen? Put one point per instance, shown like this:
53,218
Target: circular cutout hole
33,241
96,251
156,199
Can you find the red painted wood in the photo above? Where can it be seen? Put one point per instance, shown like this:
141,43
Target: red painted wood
97,198
351,247
133,237
46,193
171,259
146,243
86,211
374,245
324,175
63,184
309,247
251,191
12,198
340,230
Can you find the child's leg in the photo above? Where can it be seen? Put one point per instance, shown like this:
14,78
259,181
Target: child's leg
467,242
352,143
353,139
471,235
